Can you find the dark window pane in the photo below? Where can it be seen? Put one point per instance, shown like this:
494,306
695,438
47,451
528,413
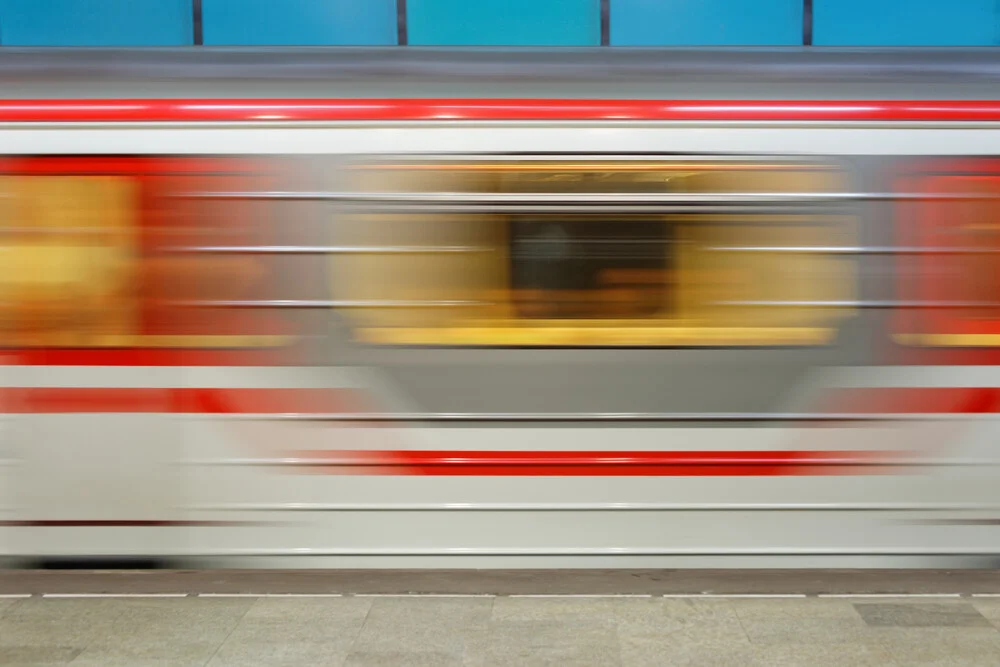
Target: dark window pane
589,268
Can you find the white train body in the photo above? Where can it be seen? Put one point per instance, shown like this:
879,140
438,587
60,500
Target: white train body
308,333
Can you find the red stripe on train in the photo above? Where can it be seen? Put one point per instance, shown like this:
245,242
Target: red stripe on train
151,357
257,110
206,400
916,400
69,400
898,401
115,523
605,464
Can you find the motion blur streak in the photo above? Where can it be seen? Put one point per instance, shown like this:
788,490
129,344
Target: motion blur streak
265,329
302,110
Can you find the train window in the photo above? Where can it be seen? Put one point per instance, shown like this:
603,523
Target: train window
67,252
568,268
953,275
102,253
593,253
201,277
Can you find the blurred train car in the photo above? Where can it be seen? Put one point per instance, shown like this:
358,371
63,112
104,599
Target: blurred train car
500,309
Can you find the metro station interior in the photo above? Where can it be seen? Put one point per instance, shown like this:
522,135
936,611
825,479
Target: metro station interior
499,332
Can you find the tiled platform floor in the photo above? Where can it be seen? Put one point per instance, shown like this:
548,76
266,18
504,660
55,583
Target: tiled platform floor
441,631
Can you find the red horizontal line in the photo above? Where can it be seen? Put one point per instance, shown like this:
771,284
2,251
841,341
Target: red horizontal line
86,400
204,110
69,400
439,463
597,464
126,523
148,357
207,400
917,400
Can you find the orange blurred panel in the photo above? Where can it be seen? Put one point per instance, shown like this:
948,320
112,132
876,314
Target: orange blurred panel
93,260
951,277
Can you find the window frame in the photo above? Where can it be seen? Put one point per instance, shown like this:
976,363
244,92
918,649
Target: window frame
928,327
143,348
649,333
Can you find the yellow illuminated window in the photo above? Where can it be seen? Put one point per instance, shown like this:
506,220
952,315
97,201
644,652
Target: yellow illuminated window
113,260
67,250
609,253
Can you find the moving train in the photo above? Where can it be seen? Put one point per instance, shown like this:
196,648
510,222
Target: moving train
500,308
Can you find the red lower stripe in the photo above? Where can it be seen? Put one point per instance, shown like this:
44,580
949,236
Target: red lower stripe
605,464
517,463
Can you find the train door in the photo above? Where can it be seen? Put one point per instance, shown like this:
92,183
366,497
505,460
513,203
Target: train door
103,309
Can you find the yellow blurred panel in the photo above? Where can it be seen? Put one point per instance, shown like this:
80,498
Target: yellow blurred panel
213,341
68,255
618,336
603,281
948,340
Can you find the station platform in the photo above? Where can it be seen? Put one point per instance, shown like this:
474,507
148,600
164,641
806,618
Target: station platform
439,618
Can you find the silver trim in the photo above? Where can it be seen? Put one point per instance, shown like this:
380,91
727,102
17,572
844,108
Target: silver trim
463,202
593,507
608,417
799,162
481,199
594,551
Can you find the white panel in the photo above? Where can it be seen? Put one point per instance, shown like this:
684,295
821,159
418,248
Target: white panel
9,462
557,537
318,139
132,377
910,376
96,467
